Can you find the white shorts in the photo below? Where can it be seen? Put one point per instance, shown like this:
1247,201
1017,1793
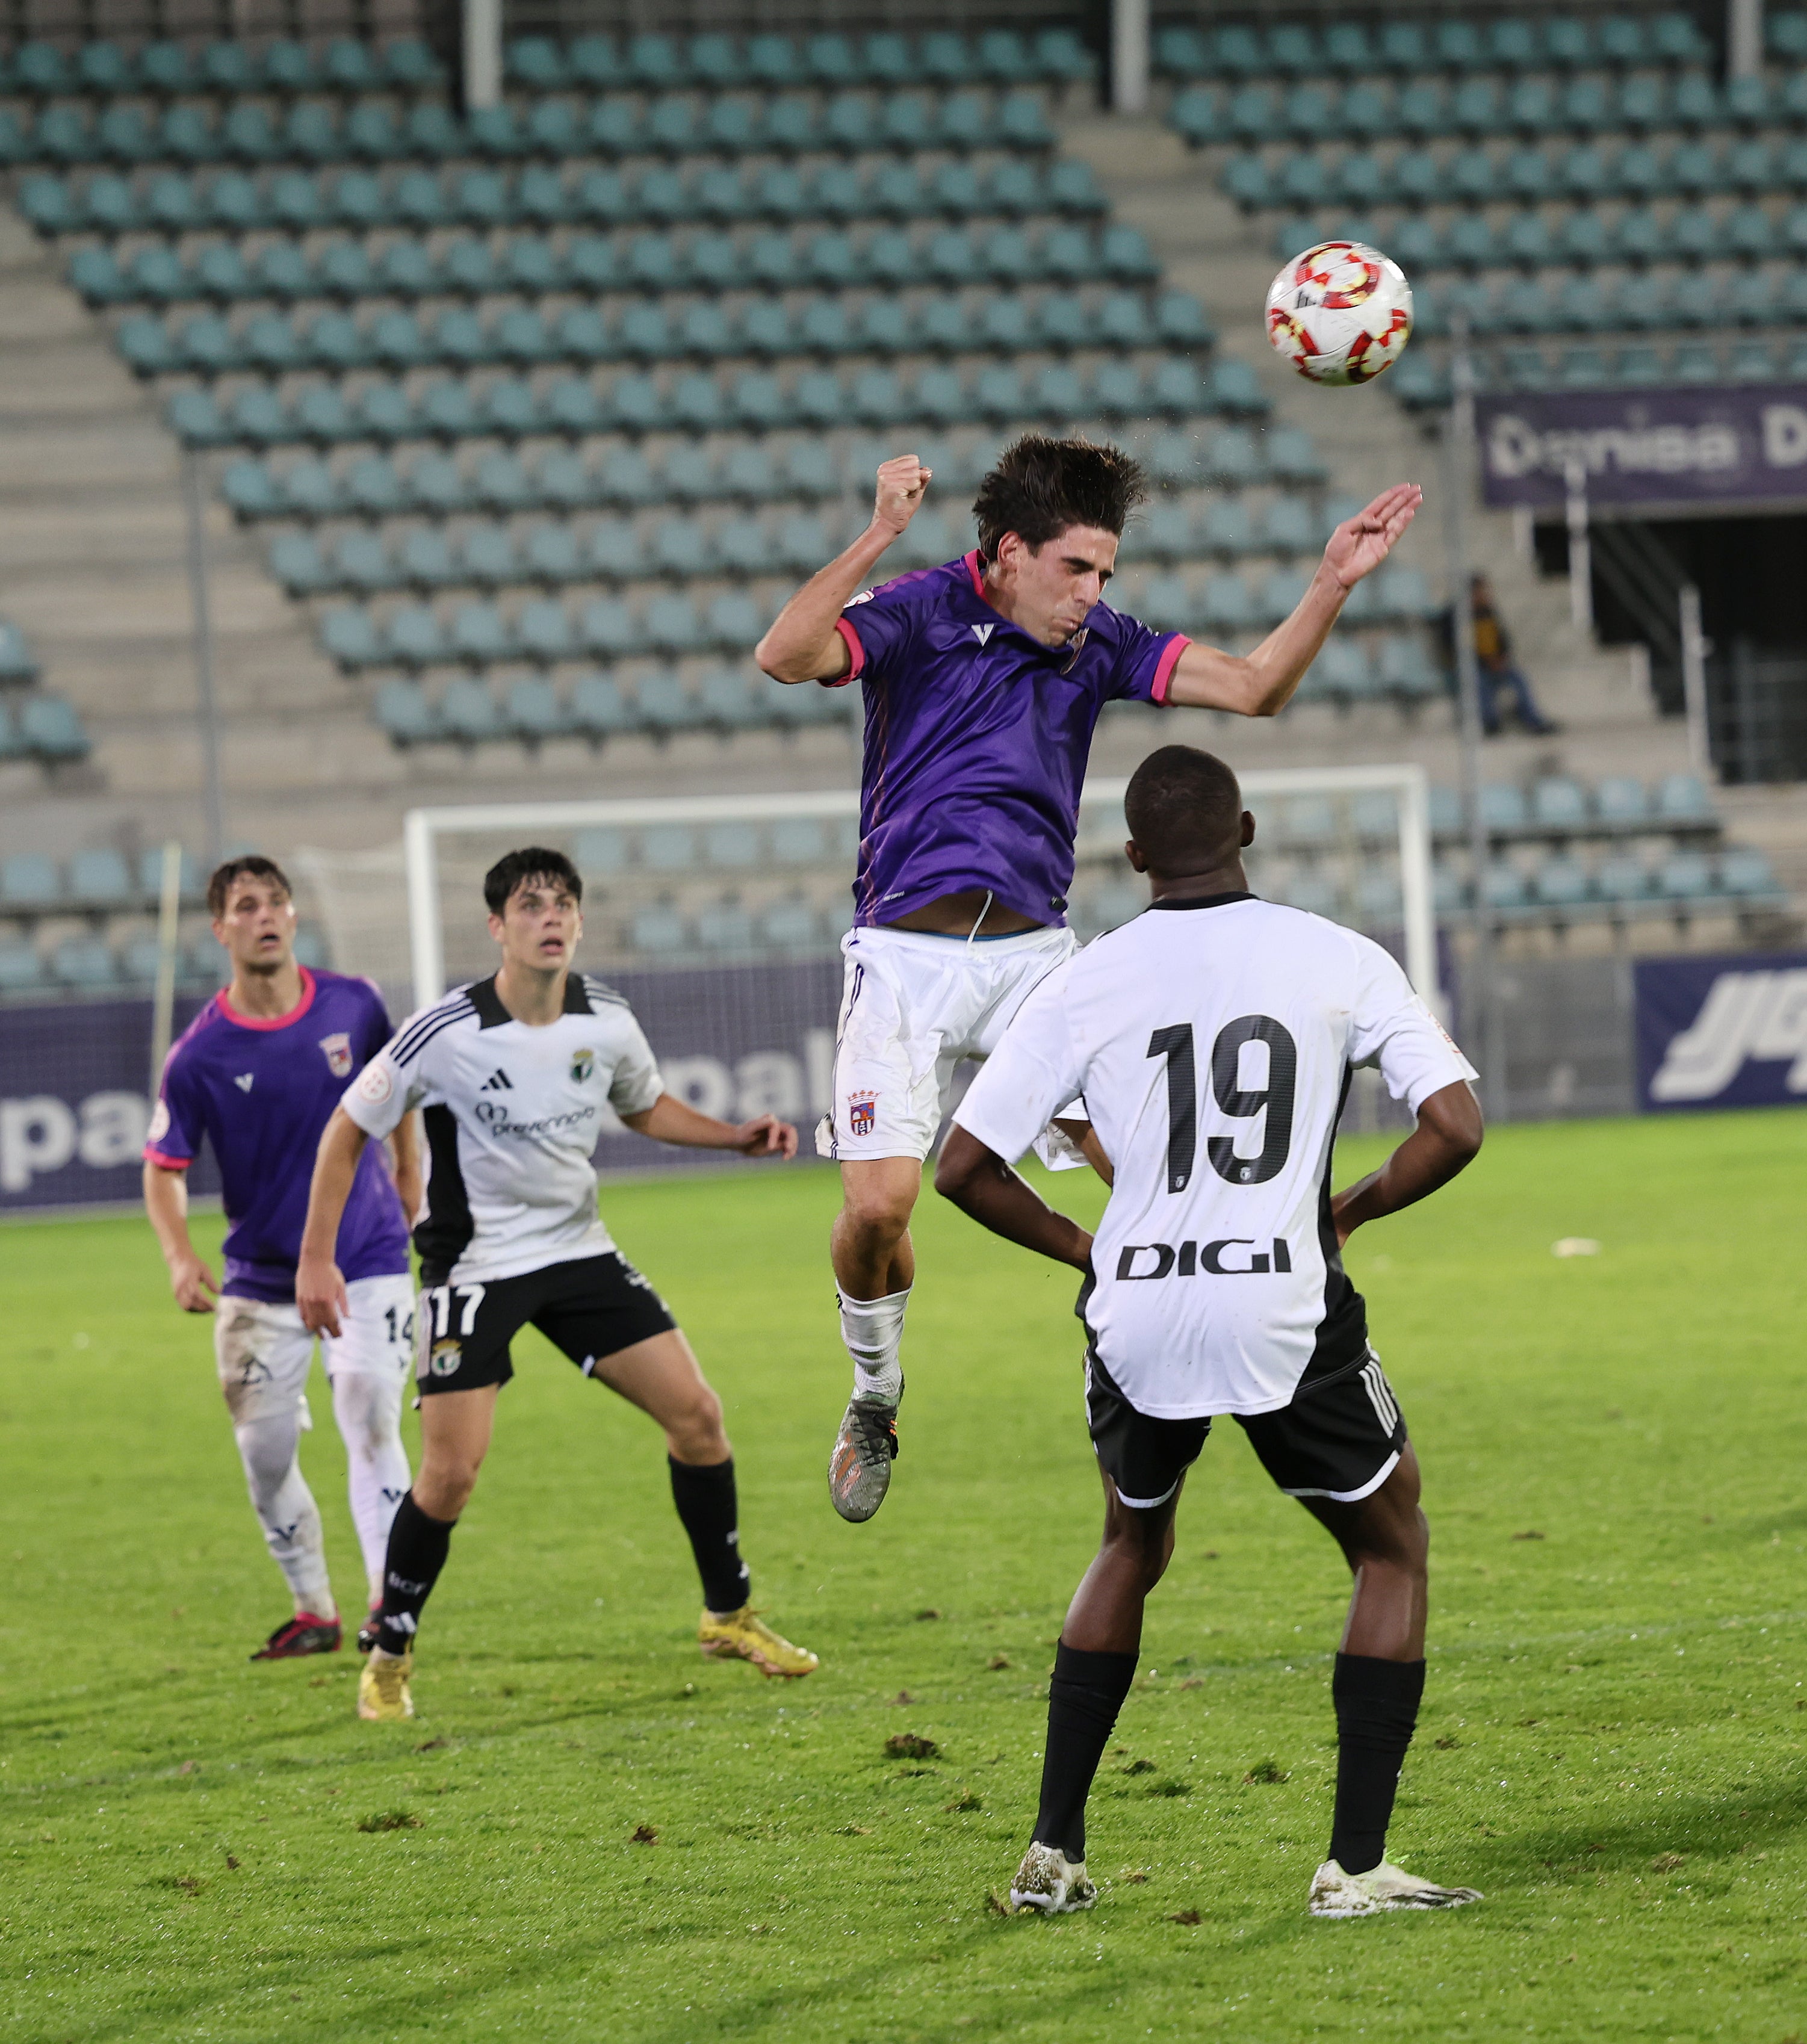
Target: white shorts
913,1006
264,1353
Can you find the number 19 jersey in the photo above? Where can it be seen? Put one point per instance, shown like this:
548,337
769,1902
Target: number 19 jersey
1212,1041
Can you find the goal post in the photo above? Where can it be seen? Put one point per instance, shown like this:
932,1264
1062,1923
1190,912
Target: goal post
1310,820
720,917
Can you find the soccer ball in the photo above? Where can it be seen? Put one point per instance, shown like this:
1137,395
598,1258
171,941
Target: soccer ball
1339,313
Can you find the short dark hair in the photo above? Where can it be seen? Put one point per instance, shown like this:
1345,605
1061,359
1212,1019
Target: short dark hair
1184,809
532,862
249,865
1041,485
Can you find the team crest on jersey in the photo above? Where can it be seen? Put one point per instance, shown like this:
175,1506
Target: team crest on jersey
861,1112
583,1064
444,1357
338,1049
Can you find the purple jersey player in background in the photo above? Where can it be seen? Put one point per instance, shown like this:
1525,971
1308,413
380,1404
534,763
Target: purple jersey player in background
983,683
258,1073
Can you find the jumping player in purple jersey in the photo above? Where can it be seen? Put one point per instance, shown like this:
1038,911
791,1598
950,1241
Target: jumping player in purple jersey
983,682
258,1073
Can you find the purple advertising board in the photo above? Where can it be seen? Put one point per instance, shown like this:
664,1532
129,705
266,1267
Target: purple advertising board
732,1041
1687,446
1722,1032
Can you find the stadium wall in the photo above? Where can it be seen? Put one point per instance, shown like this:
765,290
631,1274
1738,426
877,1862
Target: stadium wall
1583,1037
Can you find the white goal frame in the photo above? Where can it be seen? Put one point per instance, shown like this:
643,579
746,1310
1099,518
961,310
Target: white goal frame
422,829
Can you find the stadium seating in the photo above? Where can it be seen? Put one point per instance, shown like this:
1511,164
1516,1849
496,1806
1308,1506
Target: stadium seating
538,406
1580,176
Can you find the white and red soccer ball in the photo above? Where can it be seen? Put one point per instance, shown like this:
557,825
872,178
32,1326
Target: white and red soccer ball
1341,313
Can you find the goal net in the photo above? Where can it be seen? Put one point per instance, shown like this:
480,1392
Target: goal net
721,918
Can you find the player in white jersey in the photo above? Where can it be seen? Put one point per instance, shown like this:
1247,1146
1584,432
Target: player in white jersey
1212,1039
516,1075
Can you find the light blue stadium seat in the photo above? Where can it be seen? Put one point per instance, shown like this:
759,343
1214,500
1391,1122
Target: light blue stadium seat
1234,458
479,635
414,637
29,880
1503,806
598,709
84,964
1504,887
1226,603
725,697
1562,883
1227,528
1343,671
50,727
1165,602
799,841
1744,870
17,662
609,630
468,711
403,712
1618,799
1405,669
1557,803
1684,877
1621,877
1313,891
659,930
1280,594
296,562
542,631
1683,798
789,926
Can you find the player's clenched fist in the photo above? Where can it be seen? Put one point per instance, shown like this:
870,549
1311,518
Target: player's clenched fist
901,482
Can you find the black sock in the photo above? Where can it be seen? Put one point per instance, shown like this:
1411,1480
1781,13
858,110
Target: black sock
1085,1694
418,1549
1377,1712
704,1495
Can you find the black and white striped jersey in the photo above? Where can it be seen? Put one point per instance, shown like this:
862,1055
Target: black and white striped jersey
514,1114
1212,1041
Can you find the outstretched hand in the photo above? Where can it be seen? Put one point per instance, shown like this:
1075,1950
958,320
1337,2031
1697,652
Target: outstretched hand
1359,544
901,482
765,1135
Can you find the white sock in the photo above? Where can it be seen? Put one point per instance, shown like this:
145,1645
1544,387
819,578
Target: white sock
369,1412
285,1509
873,1331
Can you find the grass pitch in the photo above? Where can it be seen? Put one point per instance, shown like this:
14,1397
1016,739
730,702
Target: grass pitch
1612,1746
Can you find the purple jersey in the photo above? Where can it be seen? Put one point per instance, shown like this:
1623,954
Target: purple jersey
977,737
261,1092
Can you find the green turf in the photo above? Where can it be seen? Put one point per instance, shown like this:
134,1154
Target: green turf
1612,1746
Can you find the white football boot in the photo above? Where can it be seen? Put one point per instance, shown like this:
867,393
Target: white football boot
1049,1881
1336,1893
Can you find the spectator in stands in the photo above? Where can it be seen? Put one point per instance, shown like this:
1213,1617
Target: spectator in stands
1501,674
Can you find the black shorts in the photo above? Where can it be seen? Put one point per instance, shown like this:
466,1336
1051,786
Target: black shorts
590,1309
1339,1438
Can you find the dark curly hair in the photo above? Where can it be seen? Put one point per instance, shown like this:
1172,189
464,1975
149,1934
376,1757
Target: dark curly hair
248,866
1040,486
532,862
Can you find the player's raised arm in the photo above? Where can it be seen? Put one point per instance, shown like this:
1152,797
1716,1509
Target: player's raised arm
980,1183
319,1285
1447,1140
670,1120
1261,683
803,645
